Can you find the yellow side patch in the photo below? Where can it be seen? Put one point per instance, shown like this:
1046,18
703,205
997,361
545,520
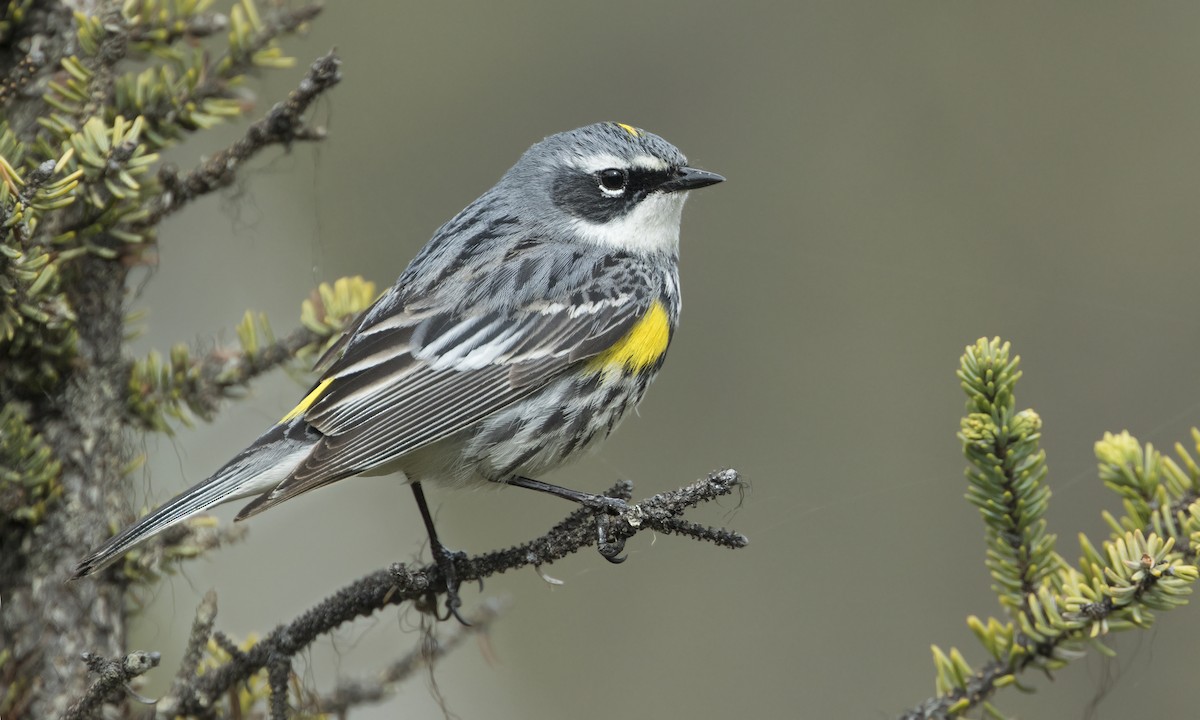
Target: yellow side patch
630,129
307,402
641,347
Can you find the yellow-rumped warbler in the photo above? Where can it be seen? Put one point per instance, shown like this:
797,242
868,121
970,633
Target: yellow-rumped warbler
520,335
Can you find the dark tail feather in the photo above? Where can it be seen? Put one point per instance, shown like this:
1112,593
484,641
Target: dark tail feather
195,500
256,470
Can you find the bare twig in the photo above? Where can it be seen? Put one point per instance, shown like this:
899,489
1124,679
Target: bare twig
398,584
279,671
354,693
202,628
114,674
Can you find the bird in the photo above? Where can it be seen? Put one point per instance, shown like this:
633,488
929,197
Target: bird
517,338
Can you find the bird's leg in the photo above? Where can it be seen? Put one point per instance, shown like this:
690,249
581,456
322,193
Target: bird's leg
604,506
588,500
444,557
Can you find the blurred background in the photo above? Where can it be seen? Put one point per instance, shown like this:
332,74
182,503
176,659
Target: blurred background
903,179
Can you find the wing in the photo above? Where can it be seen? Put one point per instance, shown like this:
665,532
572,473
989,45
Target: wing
410,377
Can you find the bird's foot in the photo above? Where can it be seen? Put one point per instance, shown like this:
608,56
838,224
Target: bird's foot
445,560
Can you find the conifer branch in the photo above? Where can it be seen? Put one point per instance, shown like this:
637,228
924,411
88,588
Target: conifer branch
194,27
21,75
283,125
91,91
978,688
160,390
1055,609
1007,474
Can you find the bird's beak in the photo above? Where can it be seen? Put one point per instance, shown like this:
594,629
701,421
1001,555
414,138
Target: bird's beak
687,178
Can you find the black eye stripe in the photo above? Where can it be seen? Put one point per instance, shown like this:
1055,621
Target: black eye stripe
637,182
644,180
582,193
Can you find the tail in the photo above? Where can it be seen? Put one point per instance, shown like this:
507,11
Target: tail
256,470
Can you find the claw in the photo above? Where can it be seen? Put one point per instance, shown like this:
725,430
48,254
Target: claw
445,560
605,508
610,550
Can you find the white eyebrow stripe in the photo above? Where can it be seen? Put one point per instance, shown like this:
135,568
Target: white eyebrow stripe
649,162
603,161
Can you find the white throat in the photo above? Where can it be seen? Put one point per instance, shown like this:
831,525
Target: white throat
652,226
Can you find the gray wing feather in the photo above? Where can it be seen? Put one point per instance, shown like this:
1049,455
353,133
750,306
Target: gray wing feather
432,385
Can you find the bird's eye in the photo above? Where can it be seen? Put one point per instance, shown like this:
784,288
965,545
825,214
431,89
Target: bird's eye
612,181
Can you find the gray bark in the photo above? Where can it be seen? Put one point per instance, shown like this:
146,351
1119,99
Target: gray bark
46,622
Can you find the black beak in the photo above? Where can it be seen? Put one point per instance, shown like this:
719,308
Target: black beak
687,178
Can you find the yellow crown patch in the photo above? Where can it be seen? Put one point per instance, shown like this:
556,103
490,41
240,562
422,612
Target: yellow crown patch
630,129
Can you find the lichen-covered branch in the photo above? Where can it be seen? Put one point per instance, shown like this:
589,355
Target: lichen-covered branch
350,694
193,654
113,677
399,584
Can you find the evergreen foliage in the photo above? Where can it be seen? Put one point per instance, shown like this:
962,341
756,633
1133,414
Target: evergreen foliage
86,179
1055,611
